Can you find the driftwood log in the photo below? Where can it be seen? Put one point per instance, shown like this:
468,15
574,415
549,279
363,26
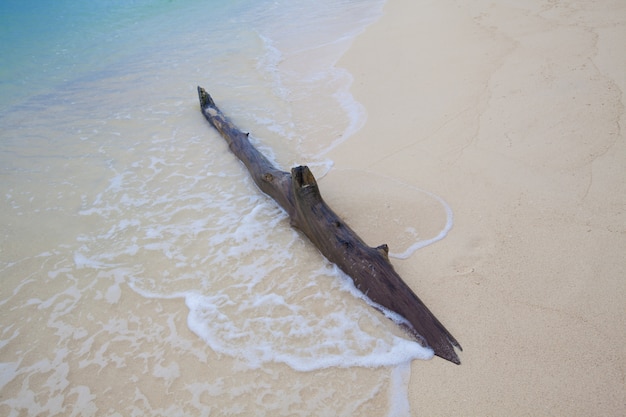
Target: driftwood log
298,194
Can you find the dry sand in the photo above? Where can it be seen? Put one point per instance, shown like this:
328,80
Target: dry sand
513,113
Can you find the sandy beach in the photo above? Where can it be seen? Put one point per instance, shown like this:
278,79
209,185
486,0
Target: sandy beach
513,115
143,273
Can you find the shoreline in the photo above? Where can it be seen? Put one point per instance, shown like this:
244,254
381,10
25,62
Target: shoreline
512,116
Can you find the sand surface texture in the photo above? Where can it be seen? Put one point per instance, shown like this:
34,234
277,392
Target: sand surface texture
513,113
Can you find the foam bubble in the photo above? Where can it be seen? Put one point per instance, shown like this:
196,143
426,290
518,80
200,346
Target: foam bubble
113,294
83,261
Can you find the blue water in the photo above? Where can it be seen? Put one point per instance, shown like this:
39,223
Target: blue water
142,271
45,44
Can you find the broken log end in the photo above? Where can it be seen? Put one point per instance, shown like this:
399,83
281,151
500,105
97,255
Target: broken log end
303,177
306,193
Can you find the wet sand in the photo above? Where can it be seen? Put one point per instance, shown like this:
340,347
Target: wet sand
513,115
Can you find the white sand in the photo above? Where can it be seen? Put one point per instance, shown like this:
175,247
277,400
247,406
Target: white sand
512,113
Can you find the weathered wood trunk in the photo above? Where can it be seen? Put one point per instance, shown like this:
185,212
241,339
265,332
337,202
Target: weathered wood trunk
298,194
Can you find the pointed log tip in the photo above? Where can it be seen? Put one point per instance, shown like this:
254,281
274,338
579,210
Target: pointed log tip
454,359
449,353
205,98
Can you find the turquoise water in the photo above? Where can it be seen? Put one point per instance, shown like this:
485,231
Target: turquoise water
142,271
45,44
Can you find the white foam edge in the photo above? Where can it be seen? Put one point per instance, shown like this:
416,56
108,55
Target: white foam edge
398,391
355,111
347,284
420,243
402,351
423,243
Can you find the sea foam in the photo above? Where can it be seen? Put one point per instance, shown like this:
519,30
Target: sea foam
137,249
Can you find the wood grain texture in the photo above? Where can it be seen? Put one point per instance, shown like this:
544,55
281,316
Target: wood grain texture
298,194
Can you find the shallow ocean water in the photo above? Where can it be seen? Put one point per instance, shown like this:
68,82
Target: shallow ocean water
143,273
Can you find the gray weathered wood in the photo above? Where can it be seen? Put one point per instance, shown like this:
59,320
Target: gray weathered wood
298,194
